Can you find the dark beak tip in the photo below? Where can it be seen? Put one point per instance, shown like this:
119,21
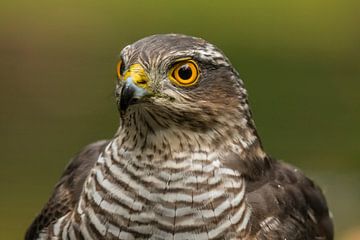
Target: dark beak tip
130,95
127,94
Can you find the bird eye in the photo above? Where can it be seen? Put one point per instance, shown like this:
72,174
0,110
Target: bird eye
120,68
185,73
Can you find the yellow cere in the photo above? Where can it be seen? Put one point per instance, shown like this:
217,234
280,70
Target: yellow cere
137,74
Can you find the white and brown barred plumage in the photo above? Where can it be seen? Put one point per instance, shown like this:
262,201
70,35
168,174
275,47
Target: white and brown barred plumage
186,163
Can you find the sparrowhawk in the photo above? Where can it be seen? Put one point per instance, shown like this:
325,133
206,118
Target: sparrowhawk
185,163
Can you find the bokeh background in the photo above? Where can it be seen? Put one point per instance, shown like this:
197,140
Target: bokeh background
299,59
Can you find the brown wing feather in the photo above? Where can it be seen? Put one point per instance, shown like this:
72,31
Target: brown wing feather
293,206
68,189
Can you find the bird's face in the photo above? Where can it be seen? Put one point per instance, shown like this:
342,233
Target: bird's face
180,78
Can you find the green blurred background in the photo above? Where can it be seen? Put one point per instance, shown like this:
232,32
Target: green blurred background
299,59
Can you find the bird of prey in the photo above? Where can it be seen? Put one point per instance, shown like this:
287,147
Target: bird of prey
185,163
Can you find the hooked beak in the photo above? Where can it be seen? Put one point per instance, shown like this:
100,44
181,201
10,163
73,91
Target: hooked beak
135,87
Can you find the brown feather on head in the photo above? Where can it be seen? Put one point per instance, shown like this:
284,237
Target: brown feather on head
174,81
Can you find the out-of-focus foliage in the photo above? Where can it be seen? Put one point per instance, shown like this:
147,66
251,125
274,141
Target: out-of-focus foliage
299,60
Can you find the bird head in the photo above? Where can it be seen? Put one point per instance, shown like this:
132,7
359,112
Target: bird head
174,79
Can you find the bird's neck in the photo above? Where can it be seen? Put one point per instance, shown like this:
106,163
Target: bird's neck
144,137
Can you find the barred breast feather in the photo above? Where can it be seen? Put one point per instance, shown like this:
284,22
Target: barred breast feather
190,196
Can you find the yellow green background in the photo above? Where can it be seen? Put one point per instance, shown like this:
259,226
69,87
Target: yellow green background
299,59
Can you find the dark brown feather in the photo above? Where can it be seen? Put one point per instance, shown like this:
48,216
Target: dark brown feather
284,192
68,189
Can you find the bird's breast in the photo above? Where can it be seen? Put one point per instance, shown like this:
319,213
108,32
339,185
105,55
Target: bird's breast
186,196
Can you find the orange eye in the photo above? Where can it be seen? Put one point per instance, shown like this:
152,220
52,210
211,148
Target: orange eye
120,68
185,73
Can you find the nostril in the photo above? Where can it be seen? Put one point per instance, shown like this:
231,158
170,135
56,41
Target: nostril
141,81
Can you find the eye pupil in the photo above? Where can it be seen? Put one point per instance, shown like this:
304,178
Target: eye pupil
185,72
